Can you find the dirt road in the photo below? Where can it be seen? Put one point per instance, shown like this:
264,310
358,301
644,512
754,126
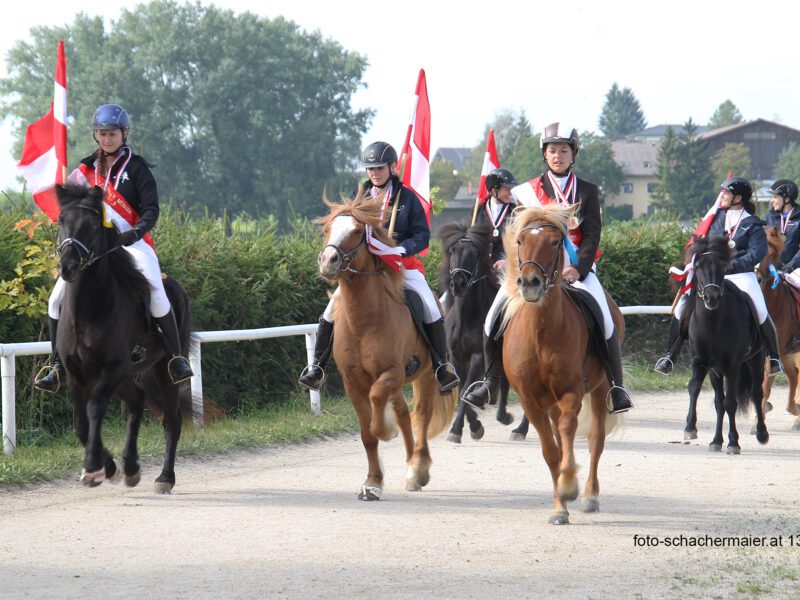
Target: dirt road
285,523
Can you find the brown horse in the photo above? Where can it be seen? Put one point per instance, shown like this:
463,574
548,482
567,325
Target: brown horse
546,350
785,313
378,348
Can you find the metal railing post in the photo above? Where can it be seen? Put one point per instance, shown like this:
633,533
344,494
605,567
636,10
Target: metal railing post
7,372
195,356
311,339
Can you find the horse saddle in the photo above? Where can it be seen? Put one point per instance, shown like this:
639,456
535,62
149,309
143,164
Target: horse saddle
731,288
594,320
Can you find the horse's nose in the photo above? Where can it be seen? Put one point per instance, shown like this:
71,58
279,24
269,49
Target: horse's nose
329,262
534,282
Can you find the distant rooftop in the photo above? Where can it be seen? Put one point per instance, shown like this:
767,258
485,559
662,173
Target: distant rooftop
636,157
456,156
658,131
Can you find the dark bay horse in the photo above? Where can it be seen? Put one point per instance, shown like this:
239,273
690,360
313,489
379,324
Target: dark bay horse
725,342
546,349
378,348
103,316
466,273
785,312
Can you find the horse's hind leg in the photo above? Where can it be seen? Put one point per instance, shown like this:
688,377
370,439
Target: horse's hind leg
790,366
418,470
597,440
521,431
756,389
699,372
134,400
457,429
503,416
172,423
730,404
719,406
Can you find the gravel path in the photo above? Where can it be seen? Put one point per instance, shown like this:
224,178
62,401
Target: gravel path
285,522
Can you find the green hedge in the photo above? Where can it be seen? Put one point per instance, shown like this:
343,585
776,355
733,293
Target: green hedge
242,275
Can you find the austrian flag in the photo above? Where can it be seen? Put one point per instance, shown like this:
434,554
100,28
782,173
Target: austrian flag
490,163
417,148
44,154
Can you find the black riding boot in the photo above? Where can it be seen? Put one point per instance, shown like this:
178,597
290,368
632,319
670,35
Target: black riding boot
444,371
313,374
178,367
486,391
620,400
674,342
770,337
51,382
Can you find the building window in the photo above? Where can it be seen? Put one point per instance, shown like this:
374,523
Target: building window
651,187
627,188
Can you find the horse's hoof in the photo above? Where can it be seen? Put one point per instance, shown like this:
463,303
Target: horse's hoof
568,492
559,518
133,480
412,485
368,493
767,406
763,437
163,487
94,478
590,505
478,434
690,435
117,476
505,418
517,437
454,437
734,450
715,447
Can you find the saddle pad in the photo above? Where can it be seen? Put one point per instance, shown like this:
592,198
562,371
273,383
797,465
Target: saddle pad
731,288
594,319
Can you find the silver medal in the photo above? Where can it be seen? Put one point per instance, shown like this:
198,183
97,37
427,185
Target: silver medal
495,232
731,244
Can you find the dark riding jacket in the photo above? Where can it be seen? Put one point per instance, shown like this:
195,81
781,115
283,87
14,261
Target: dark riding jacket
483,218
138,186
790,257
589,218
749,239
411,228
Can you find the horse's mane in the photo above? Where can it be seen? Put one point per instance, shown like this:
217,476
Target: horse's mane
716,245
367,210
555,214
479,235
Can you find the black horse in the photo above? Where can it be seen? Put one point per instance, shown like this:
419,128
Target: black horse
466,272
725,340
103,316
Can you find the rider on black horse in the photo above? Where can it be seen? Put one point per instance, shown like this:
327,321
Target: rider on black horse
131,204
413,235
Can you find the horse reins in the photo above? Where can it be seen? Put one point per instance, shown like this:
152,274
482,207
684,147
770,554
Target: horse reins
86,255
549,276
347,257
701,291
470,275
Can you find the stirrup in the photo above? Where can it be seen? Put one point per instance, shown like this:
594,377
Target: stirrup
448,368
305,371
40,376
772,363
610,402
473,386
671,365
169,370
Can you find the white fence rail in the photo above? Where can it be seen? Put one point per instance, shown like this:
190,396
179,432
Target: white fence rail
9,352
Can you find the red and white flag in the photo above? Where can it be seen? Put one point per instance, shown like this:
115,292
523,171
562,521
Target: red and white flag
417,149
490,163
44,154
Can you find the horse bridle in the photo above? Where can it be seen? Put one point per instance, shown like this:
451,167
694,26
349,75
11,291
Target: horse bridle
551,274
701,290
470,275
347,257
86,256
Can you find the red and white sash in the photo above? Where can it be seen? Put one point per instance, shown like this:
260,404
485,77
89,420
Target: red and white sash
392,255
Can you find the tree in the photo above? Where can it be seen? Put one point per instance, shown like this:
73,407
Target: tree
239,112
788,165
515,142
731,158
726,114
444,177
596,163
621,114
684,180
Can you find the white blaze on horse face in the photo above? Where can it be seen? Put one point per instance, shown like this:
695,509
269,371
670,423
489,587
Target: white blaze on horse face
340,228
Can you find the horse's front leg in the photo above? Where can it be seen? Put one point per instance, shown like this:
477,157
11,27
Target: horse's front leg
520,432
551,454
730,403
503,416
457,428
477,368
718,384
699,371
569,405
372,488
96,456
172,424
756,391
790,366
133,396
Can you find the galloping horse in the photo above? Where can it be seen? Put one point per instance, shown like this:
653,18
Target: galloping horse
785,313
103,316
377,346
547,354
466,272
725,341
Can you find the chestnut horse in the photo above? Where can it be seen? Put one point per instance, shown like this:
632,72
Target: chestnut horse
546,352
785,313
378,348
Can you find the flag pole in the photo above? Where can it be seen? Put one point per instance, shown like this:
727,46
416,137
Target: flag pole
475,210
403,161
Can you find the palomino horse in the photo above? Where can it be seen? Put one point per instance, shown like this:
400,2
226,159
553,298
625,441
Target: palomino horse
785,313
377,346
725,342
546,352
103,315
466,273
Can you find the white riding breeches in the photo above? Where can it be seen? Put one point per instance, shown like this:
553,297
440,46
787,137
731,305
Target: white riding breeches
414,280
746,282
146,261
591,284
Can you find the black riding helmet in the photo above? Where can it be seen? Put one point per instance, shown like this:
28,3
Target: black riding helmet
500,177
378,154
738,186
786,188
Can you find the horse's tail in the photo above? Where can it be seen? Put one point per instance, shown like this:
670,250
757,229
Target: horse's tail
613,421
444,407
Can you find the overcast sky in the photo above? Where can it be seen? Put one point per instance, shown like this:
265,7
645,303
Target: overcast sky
680,58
